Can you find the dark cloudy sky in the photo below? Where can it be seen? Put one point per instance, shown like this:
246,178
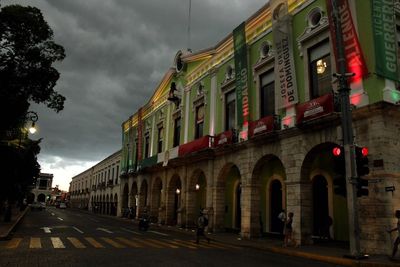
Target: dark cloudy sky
117,52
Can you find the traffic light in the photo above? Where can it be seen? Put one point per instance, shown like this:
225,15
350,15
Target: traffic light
339,180
362,170
362,161
362,187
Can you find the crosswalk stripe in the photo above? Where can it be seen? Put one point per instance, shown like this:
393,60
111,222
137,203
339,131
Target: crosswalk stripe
164,244
13,243
147,243
190,243
35,243
74,241
57,243
178,243
129,242
112,242
93,242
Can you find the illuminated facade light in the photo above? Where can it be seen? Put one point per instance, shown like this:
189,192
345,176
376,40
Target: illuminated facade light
321,66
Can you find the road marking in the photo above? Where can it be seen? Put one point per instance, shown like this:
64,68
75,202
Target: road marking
57,243
35,243
46,230
178,243
191,243
112,242
129,242
52,214
146,242
168,245
76,242
130,231
93,242
158,233
61,219
77,230
104,230
13,243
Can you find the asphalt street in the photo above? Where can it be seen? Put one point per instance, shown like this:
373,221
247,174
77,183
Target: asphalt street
57,237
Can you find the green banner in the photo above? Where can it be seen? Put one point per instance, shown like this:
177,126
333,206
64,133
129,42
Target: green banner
384,35
242,100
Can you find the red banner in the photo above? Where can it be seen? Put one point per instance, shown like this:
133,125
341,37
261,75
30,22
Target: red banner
260,126
355,62
315,108
196,145
223,138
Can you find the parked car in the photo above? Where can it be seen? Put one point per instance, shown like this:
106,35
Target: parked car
36,206
63,205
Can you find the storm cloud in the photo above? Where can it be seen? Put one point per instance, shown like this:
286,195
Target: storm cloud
117,52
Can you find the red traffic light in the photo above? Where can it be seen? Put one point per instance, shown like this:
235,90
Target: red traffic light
364,151
337,151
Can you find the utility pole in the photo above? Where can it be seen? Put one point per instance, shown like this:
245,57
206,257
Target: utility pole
348,137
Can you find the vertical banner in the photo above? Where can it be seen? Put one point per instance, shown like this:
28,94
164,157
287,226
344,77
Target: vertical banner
285,74
355,62
242,99
140,135
384,30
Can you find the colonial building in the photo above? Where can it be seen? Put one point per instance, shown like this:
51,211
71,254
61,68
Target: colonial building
246,128
97,189
41,192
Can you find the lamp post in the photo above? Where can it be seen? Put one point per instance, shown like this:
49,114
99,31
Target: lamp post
348,137
33,117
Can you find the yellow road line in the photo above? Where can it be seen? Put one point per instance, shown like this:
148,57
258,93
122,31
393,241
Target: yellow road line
93,242
57,243
112,242
129,242
35,243
13,243
74,241
164,244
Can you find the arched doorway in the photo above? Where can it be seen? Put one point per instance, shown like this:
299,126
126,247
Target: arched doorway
156,199
174,200
115,205
41,198
133,201
275,206
143,197
232,208
320,205
125,198
238,207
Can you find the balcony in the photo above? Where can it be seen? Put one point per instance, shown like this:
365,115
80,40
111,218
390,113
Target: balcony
224,138
314,109
195,146
147,162
262,126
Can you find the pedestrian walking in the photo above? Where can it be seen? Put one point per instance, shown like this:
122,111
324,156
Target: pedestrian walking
282,219
397,240
288,240
202,223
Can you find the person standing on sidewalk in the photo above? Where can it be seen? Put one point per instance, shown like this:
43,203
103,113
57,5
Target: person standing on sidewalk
282,219
397,241
202,223
289,232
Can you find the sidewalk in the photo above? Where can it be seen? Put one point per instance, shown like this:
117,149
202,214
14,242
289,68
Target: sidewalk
6,228
323,253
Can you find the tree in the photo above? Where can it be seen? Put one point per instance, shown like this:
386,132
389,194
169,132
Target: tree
27,52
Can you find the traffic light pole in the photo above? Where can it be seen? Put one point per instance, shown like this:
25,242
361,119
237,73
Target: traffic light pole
348,138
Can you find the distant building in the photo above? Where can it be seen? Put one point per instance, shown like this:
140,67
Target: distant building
43,188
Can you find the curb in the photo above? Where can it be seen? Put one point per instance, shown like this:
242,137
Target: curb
6,236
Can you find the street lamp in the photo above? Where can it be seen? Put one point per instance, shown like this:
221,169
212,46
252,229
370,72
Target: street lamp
33,117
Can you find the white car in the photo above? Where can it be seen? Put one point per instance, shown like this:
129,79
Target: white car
63,206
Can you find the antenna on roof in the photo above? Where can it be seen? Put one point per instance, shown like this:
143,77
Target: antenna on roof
188,33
